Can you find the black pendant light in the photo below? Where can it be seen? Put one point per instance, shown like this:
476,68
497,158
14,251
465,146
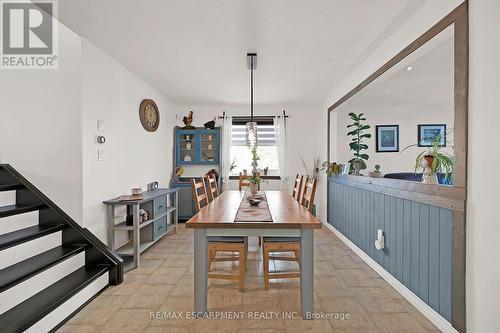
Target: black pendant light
251,126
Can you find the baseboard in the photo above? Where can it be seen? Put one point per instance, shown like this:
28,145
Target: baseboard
420,305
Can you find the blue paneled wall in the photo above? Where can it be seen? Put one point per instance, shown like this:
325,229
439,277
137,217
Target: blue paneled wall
418,239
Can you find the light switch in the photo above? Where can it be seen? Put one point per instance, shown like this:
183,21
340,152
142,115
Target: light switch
100,125
100,155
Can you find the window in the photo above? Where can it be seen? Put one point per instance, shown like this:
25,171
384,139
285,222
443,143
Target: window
266,148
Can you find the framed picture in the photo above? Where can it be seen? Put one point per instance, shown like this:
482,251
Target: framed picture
428,133
387,138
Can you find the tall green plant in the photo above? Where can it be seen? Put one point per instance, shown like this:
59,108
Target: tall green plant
358,132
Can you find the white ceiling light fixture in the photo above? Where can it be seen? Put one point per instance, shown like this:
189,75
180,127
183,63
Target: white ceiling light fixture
251,127
409,68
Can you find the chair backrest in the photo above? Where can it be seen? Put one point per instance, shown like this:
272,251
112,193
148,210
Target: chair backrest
213,189
297,187
309,193
242,183
199,196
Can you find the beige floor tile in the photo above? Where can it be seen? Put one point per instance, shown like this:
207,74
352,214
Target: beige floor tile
146,266
169,275
99,310
179,259
79,329
131,283
128,320
148,296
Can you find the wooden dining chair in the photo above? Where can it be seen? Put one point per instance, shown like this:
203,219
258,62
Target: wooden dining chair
297,187
213,189
243,183
237,245
309,193
287,244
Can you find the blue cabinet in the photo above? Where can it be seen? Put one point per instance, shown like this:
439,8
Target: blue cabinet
197,146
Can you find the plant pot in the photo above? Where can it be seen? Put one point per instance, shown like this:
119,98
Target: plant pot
428,177
357,167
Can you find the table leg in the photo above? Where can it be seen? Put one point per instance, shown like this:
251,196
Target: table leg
200,271
307,273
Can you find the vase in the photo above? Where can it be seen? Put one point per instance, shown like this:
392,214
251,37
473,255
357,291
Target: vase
357,168
253,188
428,177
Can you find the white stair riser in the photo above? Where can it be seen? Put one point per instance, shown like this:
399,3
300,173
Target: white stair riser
17,222
26,250
67,308
7,198
24,290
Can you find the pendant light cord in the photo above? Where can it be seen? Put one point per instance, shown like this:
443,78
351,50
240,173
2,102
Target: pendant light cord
251,89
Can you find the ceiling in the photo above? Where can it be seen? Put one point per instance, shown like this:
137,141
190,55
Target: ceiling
194,51
429,82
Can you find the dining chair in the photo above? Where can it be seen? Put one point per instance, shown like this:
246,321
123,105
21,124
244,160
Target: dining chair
297,187
216,244
213,189
309,193
287,244
243,183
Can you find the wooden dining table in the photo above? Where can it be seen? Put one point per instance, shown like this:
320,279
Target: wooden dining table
289,219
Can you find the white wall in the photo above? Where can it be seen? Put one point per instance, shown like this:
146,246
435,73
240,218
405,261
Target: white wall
48,130
133,157
483,271
40,125
408,117
483,227
304,138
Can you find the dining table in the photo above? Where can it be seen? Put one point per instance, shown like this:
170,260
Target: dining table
289,219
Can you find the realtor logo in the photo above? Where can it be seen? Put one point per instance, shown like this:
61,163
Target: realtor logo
28,35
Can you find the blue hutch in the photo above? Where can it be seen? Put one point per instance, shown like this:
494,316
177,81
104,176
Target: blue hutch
194,148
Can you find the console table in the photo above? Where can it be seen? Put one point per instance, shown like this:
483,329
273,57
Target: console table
161,206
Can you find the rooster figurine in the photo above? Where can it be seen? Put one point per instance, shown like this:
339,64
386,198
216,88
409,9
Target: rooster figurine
188,120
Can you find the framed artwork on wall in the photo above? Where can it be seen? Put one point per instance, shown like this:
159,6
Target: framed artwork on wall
387,138
428,133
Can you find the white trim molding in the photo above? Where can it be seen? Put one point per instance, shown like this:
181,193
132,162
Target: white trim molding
441,323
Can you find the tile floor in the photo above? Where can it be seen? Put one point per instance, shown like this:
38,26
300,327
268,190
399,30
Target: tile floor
163,284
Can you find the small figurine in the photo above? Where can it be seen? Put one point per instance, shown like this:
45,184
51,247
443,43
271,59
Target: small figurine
188,120
210,124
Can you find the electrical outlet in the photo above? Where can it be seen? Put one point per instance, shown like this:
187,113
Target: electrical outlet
100,125
100,155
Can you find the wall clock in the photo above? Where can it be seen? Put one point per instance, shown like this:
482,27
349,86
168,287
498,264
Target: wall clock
149,115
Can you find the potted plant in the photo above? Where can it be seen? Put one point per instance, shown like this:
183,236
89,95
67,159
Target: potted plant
358,161
376,173
433,160
331,169
255,181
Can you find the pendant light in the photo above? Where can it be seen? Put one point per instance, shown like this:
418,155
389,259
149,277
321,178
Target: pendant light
251,126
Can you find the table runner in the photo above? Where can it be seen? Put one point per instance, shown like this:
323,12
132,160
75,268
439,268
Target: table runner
249,213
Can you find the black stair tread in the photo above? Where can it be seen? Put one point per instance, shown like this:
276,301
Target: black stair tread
10,187
25,314
19,209
25,269
27,234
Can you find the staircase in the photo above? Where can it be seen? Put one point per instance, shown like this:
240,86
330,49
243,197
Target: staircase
50,267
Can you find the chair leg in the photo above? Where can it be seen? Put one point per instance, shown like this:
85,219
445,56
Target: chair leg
242,263
266,266
210,256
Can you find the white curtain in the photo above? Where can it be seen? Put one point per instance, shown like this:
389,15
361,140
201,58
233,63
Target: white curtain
226,151
280,131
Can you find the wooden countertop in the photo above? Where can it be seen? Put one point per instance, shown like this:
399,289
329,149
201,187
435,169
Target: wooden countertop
286,212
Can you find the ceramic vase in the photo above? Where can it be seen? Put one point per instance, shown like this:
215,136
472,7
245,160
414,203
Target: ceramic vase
428,177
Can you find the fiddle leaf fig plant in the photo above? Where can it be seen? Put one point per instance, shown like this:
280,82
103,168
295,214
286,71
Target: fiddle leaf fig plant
358,133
